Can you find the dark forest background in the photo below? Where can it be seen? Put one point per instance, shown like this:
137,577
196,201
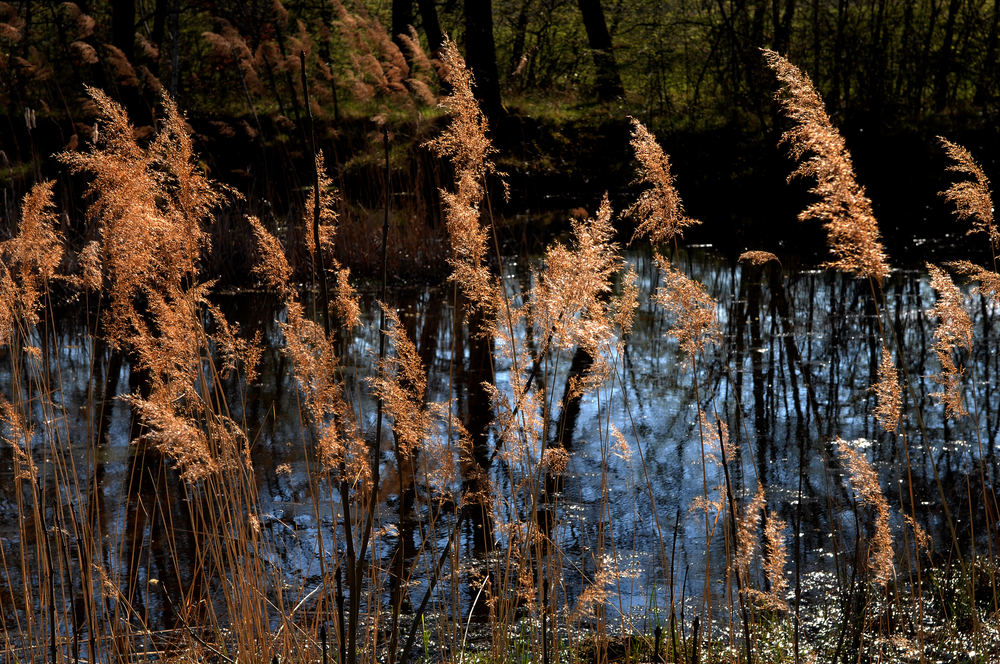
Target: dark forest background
557,78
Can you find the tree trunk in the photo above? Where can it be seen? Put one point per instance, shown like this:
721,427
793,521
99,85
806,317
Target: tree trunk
609,83
175,49
481,56
431,25
986,86
402,19
783,26
123,27
160,12
517,47
945,61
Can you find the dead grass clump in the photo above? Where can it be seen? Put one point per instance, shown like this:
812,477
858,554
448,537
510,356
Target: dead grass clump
758,257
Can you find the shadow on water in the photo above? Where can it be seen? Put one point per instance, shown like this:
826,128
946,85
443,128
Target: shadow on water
800,353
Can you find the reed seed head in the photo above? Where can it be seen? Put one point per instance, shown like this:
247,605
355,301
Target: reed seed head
843,207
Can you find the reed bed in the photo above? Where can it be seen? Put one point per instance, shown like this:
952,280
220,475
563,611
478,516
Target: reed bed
469,558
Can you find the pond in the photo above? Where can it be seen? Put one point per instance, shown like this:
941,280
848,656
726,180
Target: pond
638,522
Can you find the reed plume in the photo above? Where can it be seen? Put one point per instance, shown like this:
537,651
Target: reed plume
18,434
888,395
401,383
345,300
379,69
758,257
151,204
659,209
971,197
229,47
988,280
571,303
843,207
953,333
29,261
465,143
747,524
691,311
774,563
327,211
864,481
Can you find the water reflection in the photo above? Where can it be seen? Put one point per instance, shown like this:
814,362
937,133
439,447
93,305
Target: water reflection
800,352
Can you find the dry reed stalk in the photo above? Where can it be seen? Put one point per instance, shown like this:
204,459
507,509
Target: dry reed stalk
864,481
659,208
843,207
953,333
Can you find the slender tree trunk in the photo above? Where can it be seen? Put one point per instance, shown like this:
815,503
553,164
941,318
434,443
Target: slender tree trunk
986,86
481,56
402,19
840,85
922,73
609,83
517,47
431,25
783,26
945,61
175,48
160,12
817,42
123,27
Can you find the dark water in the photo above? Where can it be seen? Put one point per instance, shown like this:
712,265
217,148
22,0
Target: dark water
799,354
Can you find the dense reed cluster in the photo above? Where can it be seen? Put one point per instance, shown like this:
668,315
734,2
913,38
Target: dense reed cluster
427,507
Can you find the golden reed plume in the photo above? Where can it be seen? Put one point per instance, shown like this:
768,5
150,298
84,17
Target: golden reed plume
843,207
